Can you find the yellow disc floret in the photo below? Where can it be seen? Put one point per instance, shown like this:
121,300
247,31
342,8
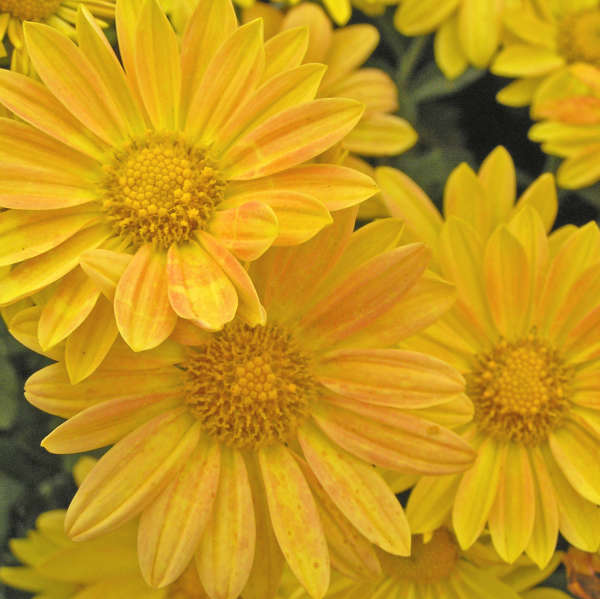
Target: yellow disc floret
428,561
579,37
30,10
520,390
160,190
250,386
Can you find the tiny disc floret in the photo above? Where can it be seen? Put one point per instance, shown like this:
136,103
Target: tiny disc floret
520,390
579,37
428,562
160,190
250,386
30,10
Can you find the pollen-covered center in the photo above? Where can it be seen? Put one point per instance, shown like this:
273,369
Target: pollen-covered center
579,37
520,390
250,386
428,562
160,190
30,10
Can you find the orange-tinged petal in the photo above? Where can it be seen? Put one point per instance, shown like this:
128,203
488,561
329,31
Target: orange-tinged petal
87,346
430,502
359,492
142,310
249,307
247,230
512,515
295,519
389,377
453,413
226,551
131,474
476,492
122,358
291,137
69,75
171,527
107,422
199,290
232,75
375,89
25,234
336,186
394,440
36,273
319,27
23,326
541,195
105,268
498,177
50,389
157,66
69,305
285,51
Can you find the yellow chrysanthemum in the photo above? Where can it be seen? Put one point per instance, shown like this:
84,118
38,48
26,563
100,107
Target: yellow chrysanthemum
439,569
467,32
177,168
262,440
524,332
61,14
378,133
543,38
570,105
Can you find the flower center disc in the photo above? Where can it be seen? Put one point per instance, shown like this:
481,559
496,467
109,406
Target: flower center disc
519,390
428,562
579,37
30,10
250,387
160,190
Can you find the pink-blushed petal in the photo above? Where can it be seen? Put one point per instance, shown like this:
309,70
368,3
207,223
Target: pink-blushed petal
247,230
336,186
35,104
199,290
87,346
105,268
430,502
249,307
50,389
68,74
25,234
394,440
131,474
295,519
211,24
226,551
284,51
512,515
68,306
389,377
366,294
358,491
107,422
36,273
232,75
171,527
291,137
157,66
142,310
477,492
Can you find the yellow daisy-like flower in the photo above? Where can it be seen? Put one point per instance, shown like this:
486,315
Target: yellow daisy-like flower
262,440
570,107
344,50
545,37
467,32
181,166
438,569
60,14
524,332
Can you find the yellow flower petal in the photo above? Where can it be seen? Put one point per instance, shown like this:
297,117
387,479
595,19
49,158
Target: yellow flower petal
580,170
497,175
285,50
105,268
416,17
520,92
448,50
320,31
430,502
541,195
479,30
521,60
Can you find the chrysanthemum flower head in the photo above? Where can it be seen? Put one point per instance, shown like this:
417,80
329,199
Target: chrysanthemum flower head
545,37
60,14
524,334
467,32
261,440
344,50
180,167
